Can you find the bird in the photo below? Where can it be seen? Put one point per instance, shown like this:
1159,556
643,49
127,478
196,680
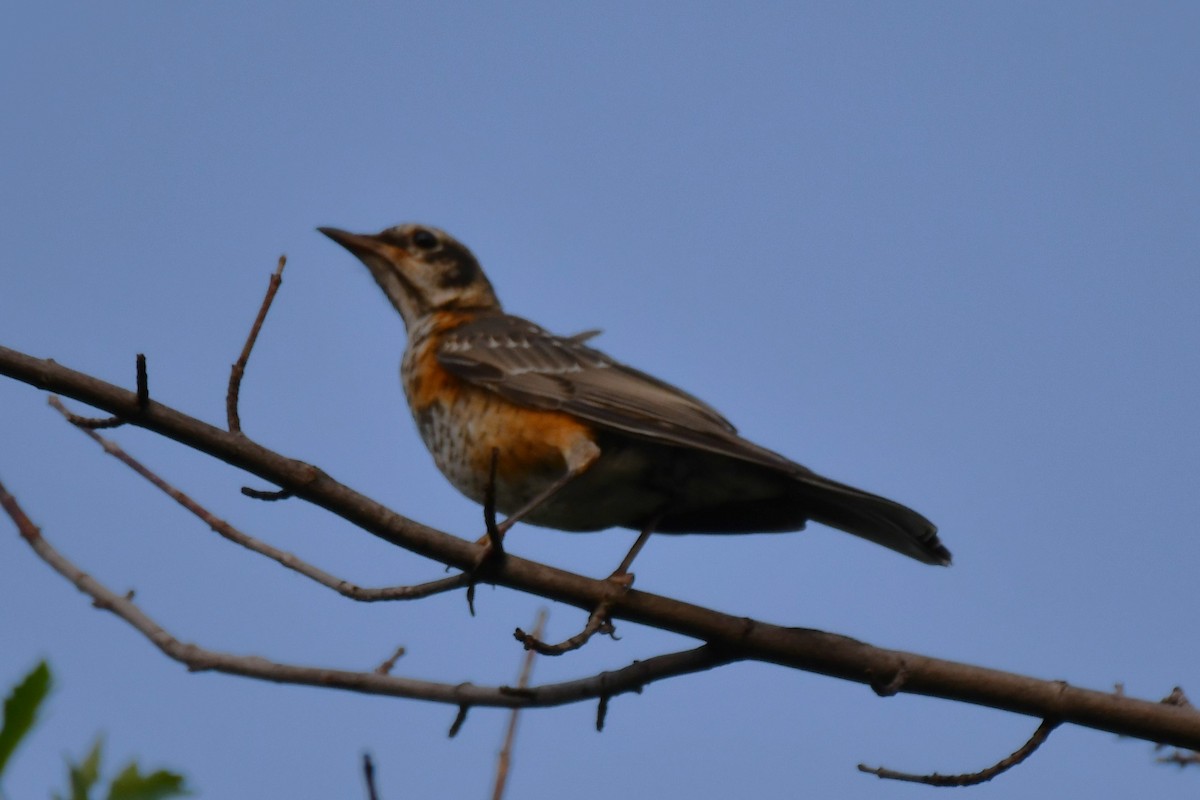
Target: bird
558,434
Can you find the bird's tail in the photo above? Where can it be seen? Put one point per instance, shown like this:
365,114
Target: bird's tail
872,517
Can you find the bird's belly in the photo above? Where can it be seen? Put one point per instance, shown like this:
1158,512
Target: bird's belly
633,481
618,490
463,431
636,482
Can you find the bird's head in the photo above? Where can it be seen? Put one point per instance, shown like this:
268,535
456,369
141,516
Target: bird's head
420,269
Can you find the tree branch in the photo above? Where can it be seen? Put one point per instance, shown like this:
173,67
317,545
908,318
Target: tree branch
972,778
810,650
597,622
286,559
504,759
198,659
238,370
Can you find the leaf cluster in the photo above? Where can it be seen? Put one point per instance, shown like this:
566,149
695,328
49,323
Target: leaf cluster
21,709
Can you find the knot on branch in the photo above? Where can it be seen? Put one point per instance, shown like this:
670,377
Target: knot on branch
891,684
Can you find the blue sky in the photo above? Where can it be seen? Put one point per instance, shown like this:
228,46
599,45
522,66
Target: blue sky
947,252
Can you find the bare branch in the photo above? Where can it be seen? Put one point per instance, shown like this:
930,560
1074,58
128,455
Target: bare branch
732,637
228,531
1177,698
598,622
199,659
369,777
1182,758
504,760
94,423
266,494
239,367
99,423
387,666
972,778
143,383
459,719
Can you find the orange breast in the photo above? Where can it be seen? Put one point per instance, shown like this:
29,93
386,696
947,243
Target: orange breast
461,424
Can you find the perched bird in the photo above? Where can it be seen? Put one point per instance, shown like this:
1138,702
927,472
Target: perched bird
579,441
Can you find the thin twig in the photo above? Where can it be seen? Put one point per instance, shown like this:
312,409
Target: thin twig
504,760
601,712
470,593
464,695
1177,697
269,496
116,421
239,366
369,777
286,559
143,383
1182,758
972,778
598,622
387,666
459,719
95,423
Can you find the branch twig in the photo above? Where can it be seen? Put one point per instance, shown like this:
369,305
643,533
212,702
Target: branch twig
387,666
459,719
598,622
99,423
239,367
267,495
1181,758
286,559
238,371
369,777
971,778
504,760
199,659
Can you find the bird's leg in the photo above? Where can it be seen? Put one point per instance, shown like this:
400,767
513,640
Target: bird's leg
579,459
493,538
599,621
621,576
542,496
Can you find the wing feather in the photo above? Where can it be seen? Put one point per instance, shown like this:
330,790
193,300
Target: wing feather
526,364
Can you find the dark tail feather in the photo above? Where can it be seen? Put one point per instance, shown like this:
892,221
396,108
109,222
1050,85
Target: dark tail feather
872,517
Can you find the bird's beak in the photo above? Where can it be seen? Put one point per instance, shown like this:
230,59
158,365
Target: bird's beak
385,260
360,244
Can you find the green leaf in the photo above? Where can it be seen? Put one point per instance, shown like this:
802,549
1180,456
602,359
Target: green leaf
84,776
20,709
132,785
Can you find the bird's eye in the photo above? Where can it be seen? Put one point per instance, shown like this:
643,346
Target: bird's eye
424,239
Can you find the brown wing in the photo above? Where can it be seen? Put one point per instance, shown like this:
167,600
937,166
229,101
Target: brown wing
526,364
530,366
